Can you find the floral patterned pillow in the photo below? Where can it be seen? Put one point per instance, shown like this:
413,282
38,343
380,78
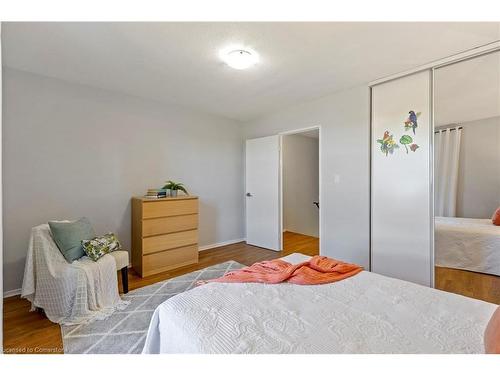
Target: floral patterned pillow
100,246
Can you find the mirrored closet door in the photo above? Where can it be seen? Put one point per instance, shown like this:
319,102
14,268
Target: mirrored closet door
467,176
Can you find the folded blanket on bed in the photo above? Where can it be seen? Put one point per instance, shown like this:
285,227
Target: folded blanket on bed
317,270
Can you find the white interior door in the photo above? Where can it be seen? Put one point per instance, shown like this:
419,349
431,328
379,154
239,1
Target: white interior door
263,225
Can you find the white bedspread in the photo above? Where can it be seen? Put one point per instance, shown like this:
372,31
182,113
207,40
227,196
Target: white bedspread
73,293
367,313
469,244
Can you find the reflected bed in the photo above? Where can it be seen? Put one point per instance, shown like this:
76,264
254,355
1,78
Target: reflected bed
467,244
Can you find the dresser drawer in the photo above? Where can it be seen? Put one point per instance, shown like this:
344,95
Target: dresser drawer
169,208
163,225
164,233
169,241
169,259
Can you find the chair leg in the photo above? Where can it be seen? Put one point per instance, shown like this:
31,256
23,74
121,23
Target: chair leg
125,279
40,311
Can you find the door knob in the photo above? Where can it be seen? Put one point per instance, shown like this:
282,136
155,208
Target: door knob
249,194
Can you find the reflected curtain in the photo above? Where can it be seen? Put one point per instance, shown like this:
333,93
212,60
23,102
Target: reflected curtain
446,158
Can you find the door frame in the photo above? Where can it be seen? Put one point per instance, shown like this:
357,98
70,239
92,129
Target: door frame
291,132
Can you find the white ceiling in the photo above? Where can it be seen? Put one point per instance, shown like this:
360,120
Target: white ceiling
468,90
178,63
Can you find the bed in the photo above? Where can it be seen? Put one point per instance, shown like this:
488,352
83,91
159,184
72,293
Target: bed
366,313
468,244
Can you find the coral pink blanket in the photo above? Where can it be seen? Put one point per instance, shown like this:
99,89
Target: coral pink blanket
317,270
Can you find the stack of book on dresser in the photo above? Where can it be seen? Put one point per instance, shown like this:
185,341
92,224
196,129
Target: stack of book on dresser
156,193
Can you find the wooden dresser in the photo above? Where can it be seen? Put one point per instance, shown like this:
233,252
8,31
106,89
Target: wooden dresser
164,233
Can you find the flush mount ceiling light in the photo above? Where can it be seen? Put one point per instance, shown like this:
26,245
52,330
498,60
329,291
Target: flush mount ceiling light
239,58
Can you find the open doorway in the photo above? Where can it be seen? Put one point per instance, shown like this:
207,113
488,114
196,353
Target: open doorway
300,191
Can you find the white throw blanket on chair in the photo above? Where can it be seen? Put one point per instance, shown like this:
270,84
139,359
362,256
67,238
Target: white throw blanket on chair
74,293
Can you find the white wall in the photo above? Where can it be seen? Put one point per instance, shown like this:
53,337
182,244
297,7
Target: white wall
72,151
344,121
479,169
300,184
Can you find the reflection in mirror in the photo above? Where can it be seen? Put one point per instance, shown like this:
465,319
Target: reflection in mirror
467,177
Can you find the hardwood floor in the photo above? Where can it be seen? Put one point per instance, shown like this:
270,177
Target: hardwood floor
470,284
31,332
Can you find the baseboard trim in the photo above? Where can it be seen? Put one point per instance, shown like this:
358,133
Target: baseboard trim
219,244
11,293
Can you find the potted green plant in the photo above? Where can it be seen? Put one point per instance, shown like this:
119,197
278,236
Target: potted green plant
174,187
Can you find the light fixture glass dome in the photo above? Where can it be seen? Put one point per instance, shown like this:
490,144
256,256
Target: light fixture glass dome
239,58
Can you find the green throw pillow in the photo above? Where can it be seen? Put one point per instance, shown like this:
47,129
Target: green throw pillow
68,236
100,246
